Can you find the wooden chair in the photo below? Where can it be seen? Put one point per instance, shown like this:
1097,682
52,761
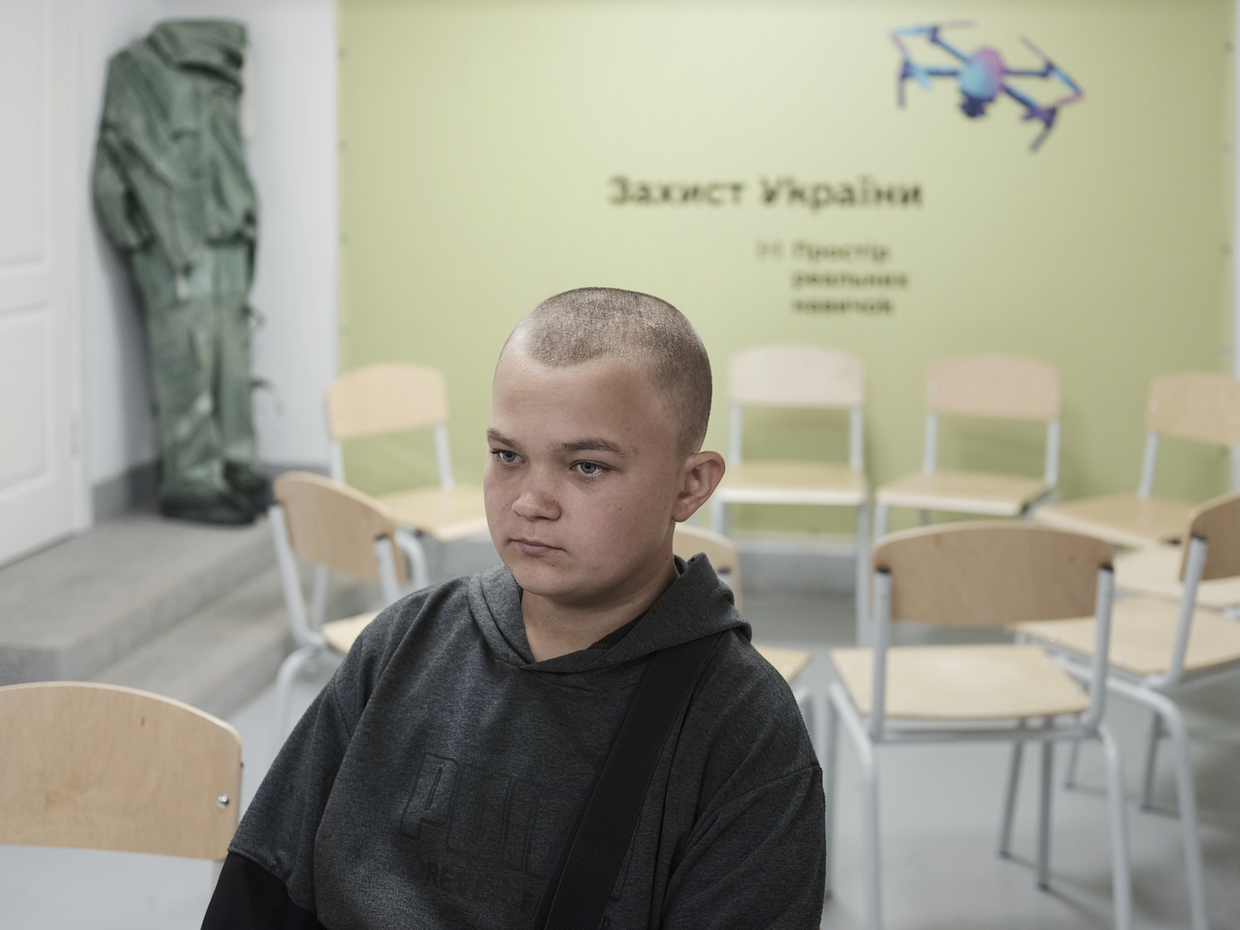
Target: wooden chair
391,397
994,386
1156,572
806,376
1197,405
94,766
1160,649
979,574
337,529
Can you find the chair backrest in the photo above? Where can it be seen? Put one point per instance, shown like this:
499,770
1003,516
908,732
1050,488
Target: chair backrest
994,385
98,766
385,398
688,541
1217,522
1200,405
797,375
991,573
335,526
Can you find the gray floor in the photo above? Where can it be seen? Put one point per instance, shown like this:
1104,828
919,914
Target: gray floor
940,809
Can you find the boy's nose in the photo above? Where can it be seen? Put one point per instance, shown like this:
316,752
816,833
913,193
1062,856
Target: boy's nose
535,503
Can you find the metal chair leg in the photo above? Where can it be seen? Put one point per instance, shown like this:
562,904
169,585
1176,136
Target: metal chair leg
1187,797
805,704
923,517
719,516
421,573
1121,874
869,825
1044,814
872,858
1178,733
880,519
828,776
1074,757
289,670
1009,801
820,705
318,601
1151,762
862,598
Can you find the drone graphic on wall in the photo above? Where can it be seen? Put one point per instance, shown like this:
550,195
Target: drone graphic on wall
983,76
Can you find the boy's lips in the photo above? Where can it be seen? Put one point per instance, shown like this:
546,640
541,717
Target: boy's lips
533,546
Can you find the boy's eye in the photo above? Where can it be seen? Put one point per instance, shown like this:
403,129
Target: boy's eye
506,456
589,469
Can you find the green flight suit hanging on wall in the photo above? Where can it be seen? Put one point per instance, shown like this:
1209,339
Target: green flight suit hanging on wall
171,187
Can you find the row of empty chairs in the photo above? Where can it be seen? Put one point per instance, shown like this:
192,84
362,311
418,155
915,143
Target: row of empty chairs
1200,406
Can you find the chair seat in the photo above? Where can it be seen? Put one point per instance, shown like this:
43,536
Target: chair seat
963,492
1156,571
788,662
986,682
1124,519
446,515
341,634
1142,634
793,483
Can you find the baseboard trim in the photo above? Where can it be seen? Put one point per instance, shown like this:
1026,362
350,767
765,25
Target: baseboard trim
137,487
133,489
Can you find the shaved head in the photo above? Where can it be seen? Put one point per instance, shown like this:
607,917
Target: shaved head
606,323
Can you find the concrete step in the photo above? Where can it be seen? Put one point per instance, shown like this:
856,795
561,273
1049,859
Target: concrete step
83,605
217,658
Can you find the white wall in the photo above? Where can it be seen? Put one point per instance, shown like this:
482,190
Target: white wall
292,158
119,432
1235,219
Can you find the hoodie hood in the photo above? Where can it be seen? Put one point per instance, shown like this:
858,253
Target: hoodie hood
696,604
214,45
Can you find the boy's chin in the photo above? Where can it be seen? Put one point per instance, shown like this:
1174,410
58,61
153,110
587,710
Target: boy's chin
558,587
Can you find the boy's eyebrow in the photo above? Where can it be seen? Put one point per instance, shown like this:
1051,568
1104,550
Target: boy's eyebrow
495,436
592,445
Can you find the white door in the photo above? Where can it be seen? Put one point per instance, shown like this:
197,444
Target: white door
42,484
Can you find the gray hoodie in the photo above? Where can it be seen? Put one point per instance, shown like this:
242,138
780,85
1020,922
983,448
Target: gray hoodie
435,779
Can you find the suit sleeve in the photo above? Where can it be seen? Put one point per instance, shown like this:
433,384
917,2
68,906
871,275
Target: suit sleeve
113,198
758,861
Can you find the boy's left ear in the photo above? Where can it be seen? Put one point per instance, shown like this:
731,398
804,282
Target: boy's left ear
700,476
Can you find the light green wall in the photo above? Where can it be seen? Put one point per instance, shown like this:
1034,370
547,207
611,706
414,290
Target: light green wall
478,140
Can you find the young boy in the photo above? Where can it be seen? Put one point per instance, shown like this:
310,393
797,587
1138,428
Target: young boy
434,781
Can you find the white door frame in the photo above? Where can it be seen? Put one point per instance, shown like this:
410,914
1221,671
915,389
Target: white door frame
45,285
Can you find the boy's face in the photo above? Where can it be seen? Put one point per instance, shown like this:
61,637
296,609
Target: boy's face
584,479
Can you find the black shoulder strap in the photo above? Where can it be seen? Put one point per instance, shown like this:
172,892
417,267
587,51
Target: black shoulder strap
590,862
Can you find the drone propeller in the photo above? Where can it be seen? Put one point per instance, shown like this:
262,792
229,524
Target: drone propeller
1054,69
932,29
918,73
